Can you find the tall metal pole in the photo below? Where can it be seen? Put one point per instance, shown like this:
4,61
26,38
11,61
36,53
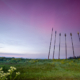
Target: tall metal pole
65,47
59,45
54,44
72,45
50,44
78,36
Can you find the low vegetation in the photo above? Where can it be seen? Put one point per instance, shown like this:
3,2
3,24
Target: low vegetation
3,76
42,69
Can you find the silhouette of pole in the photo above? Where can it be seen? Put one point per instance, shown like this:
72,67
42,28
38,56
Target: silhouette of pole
78,36
72,45
54,44
59,45
50,44
65,47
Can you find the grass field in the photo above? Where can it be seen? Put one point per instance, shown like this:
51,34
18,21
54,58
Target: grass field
43,69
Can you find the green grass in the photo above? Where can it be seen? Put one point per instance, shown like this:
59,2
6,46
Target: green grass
40,69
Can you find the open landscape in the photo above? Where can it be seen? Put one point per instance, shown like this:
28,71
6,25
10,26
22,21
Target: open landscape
42,69
39,39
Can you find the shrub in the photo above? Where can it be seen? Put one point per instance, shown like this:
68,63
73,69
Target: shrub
3,76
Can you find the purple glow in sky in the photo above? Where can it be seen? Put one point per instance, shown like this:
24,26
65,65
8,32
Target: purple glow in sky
25,27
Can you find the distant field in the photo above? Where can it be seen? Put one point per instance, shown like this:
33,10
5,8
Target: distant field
43,69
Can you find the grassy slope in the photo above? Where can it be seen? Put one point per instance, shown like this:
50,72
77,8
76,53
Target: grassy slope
46,69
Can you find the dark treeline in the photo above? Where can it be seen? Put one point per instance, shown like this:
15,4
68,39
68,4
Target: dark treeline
6,58
76,57
12,60
23,59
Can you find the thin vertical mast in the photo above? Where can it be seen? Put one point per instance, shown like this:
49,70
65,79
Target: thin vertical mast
72,45
50,44
65,47
78,36
59,45
54,44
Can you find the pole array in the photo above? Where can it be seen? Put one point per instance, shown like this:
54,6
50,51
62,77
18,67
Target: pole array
59,44
50,44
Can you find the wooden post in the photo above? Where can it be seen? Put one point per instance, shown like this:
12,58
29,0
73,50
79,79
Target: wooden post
50,44
72,45
78,35
65,46
54,44
59,45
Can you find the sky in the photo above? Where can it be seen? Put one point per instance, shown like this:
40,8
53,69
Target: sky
26,25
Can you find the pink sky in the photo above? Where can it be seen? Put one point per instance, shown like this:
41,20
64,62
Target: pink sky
25,27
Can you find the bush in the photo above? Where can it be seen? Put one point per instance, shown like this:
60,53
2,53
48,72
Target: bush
3,76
